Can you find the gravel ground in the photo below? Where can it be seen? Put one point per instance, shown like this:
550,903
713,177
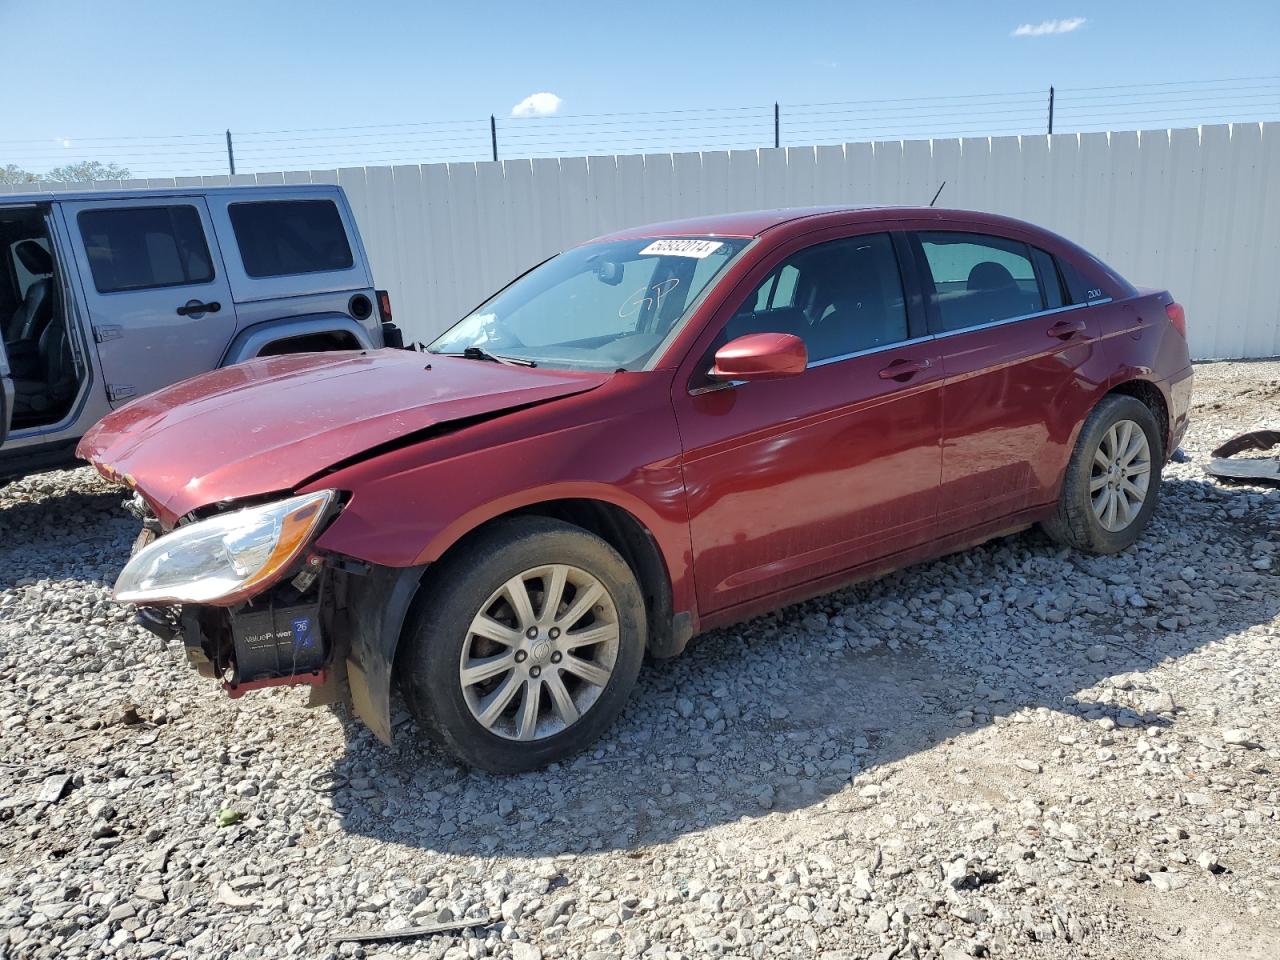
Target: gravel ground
1015,752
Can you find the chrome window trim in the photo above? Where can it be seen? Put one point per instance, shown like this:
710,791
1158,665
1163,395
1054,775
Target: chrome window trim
870,350
1024,316
730,384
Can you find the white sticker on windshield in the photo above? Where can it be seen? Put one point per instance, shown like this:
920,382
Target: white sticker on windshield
698,249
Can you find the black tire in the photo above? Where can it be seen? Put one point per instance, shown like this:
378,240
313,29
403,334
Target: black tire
431,648
1074,522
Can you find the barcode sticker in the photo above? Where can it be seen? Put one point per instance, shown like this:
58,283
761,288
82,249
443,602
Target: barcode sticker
698,249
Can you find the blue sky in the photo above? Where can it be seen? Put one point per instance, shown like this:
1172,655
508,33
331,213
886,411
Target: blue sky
351,76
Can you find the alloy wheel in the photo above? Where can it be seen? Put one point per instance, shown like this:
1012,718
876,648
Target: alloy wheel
1120,475
539,652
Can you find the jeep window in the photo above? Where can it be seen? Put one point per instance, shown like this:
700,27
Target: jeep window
138,248
25,277
602,306
280,238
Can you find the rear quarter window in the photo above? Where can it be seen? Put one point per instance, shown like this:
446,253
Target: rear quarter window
1080,289
139,248
280,238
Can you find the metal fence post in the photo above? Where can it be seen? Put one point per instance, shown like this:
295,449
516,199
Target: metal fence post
1051,110
777,138
493,134
231,155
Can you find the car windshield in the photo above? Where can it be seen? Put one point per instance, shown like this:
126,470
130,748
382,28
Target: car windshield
603,306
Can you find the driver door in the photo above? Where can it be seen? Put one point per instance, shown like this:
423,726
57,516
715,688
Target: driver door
793,481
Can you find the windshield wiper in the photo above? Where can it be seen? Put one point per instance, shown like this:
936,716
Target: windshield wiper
475,353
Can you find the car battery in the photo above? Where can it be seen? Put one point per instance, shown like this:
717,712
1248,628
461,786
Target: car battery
277,641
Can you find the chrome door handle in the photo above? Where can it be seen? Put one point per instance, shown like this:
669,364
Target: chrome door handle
903,370
1066,329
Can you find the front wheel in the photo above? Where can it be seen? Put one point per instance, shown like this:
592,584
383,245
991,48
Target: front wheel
526,646
1112,481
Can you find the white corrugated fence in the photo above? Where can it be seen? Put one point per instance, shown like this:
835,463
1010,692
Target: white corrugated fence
1194,210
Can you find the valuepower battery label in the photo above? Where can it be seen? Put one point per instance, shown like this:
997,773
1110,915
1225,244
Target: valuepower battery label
267,640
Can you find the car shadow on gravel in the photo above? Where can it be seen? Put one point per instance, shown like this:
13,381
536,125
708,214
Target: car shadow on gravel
779,713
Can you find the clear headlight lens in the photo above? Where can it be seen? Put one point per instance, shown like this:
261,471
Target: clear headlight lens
225,558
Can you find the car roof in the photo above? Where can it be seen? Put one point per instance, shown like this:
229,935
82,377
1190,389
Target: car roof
750,223
756,222
133,193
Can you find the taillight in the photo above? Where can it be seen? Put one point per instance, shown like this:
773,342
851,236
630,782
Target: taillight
1178,317
384,305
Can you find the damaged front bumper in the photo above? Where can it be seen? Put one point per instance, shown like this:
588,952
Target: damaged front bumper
334,626
278,638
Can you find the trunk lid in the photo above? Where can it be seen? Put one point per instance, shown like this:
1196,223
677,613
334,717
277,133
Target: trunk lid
270,424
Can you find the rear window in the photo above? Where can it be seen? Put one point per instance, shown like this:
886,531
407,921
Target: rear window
279,238
138,248
979,279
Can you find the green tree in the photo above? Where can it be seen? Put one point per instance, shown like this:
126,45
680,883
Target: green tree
85,171
81,172
11,173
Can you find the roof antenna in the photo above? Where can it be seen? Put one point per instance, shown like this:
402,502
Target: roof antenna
938,194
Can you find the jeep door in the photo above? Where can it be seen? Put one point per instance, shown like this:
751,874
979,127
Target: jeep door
6,395
156,289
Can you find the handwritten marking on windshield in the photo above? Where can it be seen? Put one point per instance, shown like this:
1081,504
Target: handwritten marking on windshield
640,300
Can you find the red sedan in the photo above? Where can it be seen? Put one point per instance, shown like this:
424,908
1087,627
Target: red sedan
659,432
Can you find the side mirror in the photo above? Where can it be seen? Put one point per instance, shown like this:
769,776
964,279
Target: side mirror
761,356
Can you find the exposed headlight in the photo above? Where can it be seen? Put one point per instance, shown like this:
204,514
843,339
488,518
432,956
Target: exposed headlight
225,558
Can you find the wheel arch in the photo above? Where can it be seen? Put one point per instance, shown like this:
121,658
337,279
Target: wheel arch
1153,398
256,340
383,608
619,527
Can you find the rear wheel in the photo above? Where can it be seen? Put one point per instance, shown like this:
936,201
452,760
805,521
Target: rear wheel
1112,482
526,647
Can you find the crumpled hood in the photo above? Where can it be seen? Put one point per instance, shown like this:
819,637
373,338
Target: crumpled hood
269,424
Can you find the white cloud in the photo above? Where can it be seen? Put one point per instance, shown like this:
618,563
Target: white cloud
1046,27
537,105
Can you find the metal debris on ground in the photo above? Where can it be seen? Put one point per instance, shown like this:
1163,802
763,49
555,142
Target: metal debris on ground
409,933
1253,470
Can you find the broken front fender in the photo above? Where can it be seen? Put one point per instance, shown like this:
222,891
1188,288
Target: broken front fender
377,603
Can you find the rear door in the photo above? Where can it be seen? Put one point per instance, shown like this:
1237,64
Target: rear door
1010,348
157,293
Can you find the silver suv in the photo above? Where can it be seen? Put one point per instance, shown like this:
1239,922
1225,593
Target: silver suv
107,295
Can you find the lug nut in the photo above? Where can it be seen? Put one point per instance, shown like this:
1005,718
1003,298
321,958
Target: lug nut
531,632
555,633
556,657
533,672
521,656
